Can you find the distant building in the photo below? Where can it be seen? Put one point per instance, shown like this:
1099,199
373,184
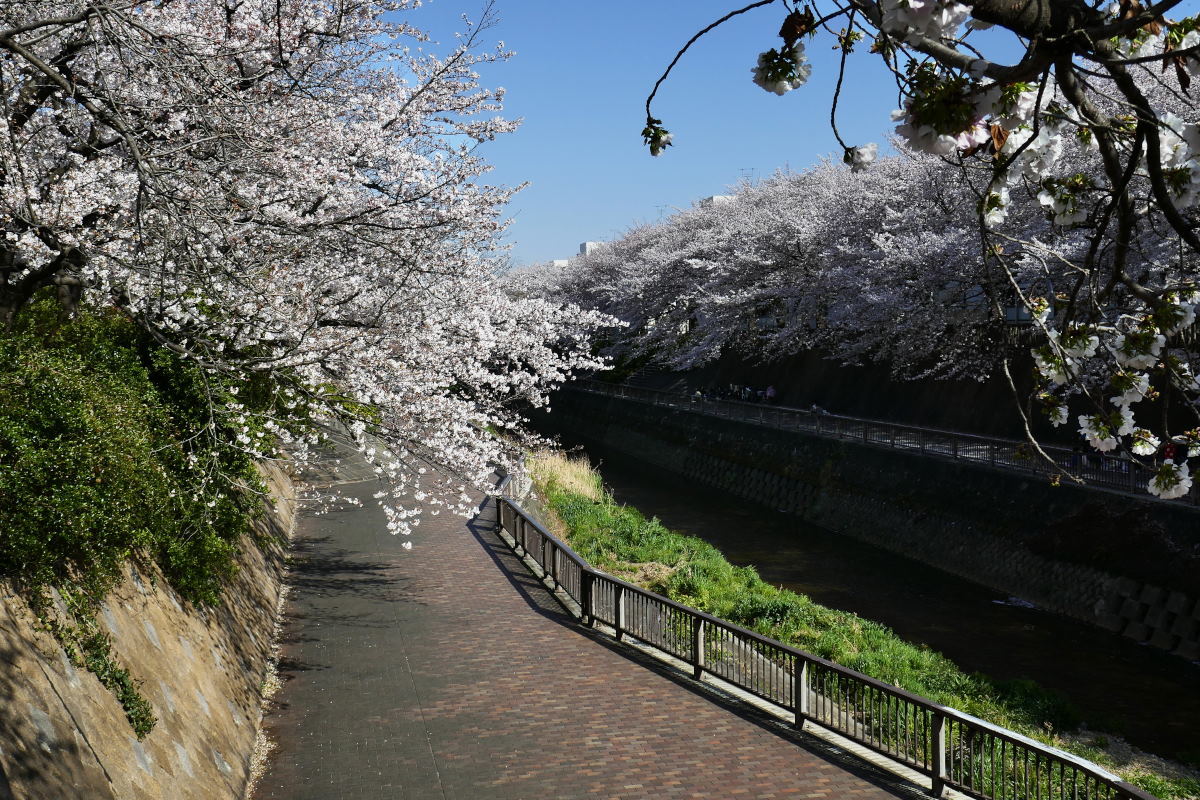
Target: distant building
560,262
587,248
715,200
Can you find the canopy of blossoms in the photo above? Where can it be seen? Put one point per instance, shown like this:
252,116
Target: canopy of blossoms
289,187
885,265
1093,130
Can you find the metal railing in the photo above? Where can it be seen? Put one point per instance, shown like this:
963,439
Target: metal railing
1118,473
953,749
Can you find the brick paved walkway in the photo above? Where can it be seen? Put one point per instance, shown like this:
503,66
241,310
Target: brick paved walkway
449,672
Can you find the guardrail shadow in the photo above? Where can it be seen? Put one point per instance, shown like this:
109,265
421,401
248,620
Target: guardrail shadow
542,601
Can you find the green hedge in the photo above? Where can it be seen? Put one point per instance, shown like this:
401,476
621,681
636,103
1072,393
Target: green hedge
101,438
109,454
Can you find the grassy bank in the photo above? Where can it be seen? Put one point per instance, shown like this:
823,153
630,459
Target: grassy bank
620,540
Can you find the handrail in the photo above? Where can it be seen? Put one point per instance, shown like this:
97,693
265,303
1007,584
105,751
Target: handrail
1115,473
954,749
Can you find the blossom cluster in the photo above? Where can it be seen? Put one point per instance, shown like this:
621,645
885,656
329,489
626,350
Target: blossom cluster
780,71
1128,353
931,19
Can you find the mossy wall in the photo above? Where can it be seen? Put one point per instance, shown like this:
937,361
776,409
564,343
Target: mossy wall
1127,565
64,736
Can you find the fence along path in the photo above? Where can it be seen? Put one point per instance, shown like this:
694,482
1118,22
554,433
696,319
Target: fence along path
447,672
1117,473
954,750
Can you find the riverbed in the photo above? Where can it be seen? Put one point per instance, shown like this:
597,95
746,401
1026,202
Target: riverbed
1153,698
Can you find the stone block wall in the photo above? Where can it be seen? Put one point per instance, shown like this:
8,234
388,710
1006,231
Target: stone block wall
1166,619
63,736
1129,566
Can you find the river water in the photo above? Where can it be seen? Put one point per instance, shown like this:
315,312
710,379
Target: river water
1153,698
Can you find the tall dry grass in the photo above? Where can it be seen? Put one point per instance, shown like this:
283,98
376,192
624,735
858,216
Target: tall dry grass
569,473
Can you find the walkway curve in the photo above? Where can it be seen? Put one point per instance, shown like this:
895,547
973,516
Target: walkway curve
448,671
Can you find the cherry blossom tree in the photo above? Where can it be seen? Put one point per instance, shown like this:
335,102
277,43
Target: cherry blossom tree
783,267
880,265
289,189
1092,127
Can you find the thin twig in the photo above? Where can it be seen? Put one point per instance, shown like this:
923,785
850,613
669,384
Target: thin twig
693,40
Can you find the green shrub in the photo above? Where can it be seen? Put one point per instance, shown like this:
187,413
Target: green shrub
101,436
109,452
82,487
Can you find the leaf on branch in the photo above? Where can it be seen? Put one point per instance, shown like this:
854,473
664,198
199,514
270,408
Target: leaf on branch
1180,64
1131,8
655,136
847,39
797,24
999,137
1182,74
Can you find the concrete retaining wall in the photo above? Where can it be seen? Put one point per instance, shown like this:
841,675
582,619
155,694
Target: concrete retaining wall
64,736
1129,566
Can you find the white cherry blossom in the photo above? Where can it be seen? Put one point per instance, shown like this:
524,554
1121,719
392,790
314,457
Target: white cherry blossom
291,190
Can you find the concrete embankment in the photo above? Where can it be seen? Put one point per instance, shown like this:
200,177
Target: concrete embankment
1129,566
64,736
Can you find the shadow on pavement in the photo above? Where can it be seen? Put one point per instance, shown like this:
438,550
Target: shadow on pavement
541,601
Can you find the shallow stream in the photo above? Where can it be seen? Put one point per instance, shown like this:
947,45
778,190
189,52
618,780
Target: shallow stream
1155,696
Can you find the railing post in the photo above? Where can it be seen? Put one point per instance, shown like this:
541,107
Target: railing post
553,571
954,446
519,535
619,610
992,454
585,597
938,767
698,649
800,691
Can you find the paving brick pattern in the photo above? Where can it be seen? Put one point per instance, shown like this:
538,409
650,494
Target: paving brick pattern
447,671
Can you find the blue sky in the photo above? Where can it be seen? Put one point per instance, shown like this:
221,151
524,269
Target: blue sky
580,78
